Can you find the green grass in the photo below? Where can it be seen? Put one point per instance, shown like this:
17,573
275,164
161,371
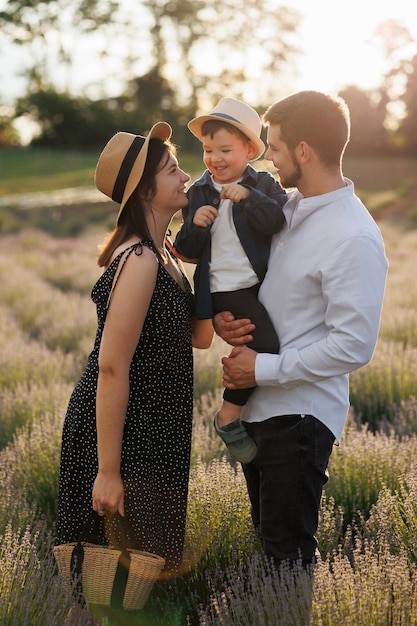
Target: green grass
387,186
29,170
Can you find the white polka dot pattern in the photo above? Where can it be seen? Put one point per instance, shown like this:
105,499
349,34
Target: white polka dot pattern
157,433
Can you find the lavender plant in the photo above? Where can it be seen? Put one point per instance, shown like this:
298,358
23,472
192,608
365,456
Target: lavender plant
364,463
368,519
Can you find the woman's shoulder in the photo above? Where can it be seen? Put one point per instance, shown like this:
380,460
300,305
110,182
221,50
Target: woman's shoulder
128,256
136,266
140,248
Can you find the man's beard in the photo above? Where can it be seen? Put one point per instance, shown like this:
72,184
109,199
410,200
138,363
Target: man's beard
293,179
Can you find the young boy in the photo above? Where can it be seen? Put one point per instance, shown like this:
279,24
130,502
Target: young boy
233,212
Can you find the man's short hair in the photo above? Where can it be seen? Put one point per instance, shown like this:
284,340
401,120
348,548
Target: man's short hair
321,120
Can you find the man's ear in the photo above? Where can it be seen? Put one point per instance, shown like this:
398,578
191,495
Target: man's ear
303,151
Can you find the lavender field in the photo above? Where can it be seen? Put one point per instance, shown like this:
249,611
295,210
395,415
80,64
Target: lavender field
367,574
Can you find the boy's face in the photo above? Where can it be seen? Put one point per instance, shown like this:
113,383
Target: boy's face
226,155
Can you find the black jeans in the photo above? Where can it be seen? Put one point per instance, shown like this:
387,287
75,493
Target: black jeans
285,483
244,303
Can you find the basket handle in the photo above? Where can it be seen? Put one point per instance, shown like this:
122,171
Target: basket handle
120,578
76,568
77,560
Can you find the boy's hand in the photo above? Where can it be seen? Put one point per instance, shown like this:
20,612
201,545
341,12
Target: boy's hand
205,215
234,192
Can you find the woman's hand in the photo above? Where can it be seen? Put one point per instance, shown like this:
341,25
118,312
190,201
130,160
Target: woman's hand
108,494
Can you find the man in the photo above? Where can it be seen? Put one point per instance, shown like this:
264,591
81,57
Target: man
323,291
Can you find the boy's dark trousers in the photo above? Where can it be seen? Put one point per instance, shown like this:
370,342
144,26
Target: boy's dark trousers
244,303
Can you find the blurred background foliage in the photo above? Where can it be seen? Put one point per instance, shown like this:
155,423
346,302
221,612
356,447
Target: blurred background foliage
190,53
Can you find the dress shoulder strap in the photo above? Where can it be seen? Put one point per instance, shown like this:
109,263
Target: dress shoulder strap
137,248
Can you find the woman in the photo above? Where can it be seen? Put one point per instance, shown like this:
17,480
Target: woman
127,433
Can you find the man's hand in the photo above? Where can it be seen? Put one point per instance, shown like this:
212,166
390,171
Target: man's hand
234,192
205,215
233,331
239,368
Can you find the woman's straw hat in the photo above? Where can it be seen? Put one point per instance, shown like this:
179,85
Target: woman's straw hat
121,164
236,113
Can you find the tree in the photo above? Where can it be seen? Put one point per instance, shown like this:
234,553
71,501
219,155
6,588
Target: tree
50,29
367,115
8,134
399,87
152,99
408,126
385,119
212,49
70,122
203,49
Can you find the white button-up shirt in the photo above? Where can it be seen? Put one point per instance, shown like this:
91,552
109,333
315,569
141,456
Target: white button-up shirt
230,268
323,291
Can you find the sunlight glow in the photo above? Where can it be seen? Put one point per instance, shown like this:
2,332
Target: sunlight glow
339,41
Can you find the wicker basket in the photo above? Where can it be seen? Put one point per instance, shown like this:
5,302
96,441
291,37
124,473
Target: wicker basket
99,569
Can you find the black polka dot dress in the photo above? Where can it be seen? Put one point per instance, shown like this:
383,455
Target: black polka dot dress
157,433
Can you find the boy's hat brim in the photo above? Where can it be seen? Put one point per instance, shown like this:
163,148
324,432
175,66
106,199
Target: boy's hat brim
122,162
236,113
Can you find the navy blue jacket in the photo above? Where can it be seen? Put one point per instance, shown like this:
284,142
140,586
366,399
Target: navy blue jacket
256,219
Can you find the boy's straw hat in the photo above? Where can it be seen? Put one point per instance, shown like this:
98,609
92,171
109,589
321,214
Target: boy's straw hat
236,113
121,164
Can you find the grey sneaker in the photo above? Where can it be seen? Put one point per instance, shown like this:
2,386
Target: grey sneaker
241,447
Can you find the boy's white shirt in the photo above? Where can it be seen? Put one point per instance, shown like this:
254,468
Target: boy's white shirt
229,268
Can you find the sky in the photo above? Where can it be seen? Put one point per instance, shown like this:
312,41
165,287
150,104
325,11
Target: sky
336,39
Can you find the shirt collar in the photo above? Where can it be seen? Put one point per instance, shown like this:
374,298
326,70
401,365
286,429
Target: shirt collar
297,204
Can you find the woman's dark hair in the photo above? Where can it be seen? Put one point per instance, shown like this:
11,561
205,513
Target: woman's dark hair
132,220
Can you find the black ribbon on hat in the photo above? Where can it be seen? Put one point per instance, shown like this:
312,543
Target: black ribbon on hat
126,168
226,117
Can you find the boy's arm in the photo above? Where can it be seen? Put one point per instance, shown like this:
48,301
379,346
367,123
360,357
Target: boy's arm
190,239
263,208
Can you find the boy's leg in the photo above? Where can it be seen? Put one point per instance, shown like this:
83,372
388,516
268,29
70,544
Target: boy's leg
242,303
245,303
